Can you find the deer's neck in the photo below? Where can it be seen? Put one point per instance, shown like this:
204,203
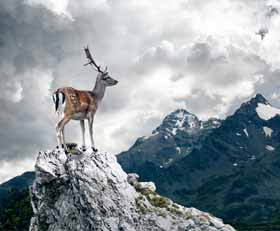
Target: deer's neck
99,90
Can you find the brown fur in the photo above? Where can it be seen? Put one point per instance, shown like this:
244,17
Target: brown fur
78,101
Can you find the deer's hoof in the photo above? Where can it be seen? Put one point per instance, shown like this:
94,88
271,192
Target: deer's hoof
84,148
94,149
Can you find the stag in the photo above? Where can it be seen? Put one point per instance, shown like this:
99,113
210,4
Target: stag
73,104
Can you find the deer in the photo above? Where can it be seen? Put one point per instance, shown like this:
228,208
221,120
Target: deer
73,104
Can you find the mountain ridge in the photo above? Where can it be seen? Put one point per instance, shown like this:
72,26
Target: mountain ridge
225,174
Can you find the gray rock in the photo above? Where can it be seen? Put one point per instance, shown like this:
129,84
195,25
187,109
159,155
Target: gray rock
91,192
147,185
132,178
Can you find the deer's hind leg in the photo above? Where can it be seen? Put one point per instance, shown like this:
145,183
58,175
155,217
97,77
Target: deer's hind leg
60,131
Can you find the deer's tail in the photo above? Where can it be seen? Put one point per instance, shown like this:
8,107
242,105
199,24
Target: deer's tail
58,100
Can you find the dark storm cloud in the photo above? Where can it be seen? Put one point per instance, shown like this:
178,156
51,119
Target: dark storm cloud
31,37
39,50
32,44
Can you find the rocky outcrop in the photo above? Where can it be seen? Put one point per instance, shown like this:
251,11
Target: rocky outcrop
90,191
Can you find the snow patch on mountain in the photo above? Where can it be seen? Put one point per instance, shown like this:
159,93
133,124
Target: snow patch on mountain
246,132
178,149
266,111
268,131
253,157
269,148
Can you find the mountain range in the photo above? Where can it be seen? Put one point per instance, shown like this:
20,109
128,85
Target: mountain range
229,167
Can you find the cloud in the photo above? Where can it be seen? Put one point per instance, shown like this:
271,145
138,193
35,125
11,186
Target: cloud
8,169
222,72
58,7
203,56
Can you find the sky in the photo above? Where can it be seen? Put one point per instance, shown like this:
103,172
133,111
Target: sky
204,56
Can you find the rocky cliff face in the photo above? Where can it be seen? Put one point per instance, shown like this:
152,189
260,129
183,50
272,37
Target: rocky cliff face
90,191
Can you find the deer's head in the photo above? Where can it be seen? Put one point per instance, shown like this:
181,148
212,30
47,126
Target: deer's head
106,79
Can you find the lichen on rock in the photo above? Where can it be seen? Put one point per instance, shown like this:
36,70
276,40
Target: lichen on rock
91,192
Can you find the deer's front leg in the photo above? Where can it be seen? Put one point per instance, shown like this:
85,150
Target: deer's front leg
90,123
58,136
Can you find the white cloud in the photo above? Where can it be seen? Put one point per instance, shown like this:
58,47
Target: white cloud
275,95
59,7
8,169
219,69
11,91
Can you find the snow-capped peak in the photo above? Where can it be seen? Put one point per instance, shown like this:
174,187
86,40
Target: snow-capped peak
179,120
259,107
184,121
181,113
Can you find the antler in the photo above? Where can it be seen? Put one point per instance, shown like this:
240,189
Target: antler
91,61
